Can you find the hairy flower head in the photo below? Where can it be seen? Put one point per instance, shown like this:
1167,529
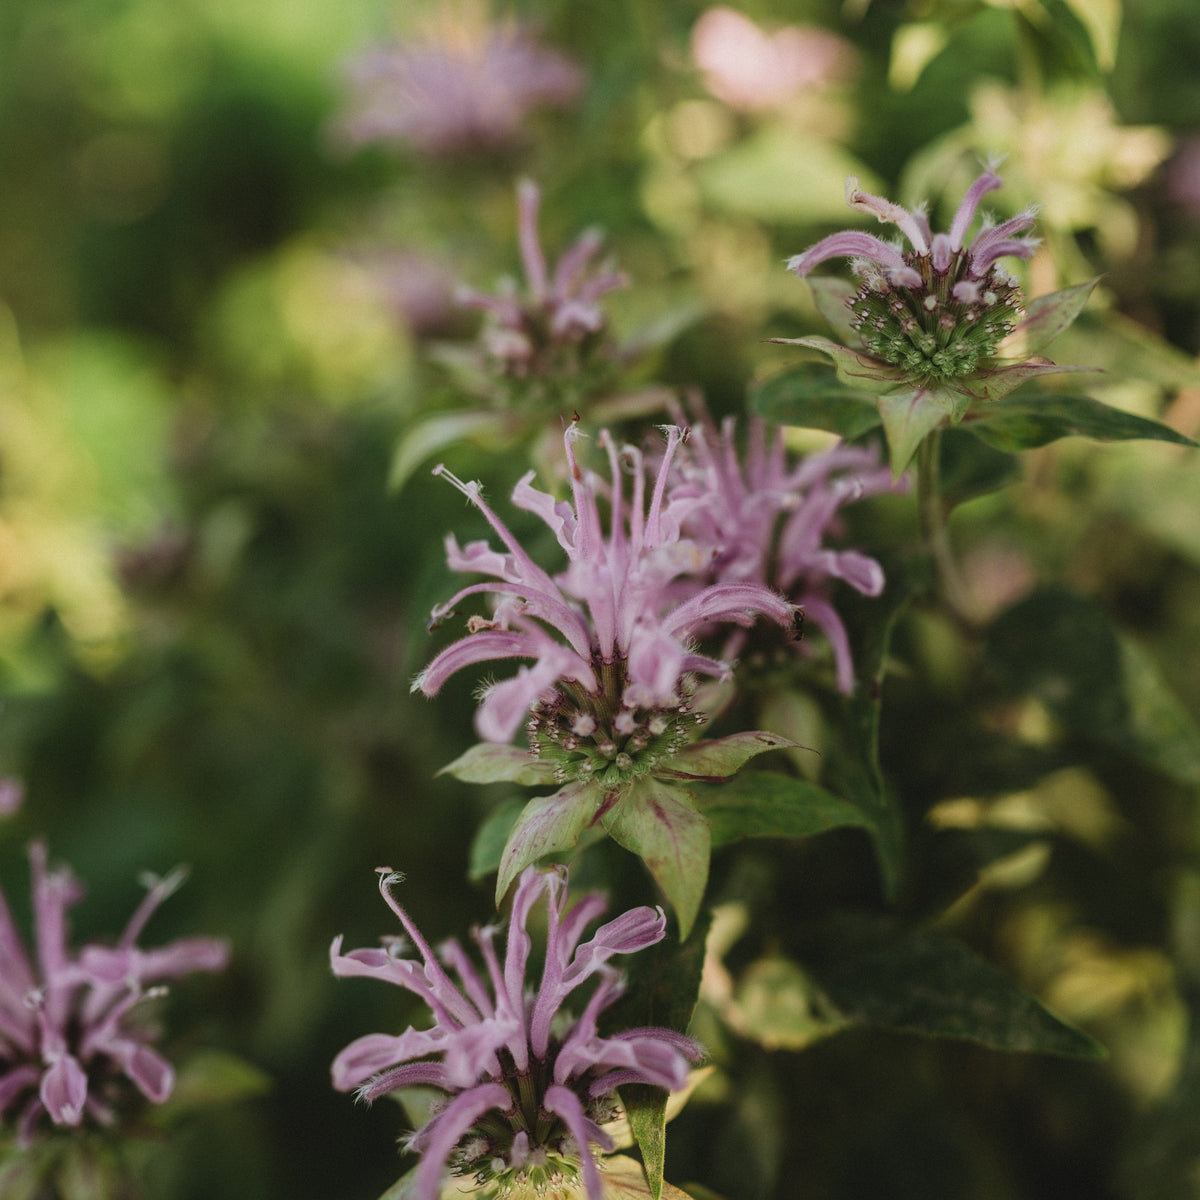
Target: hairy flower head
610,637
939,309
73,1023
528,1084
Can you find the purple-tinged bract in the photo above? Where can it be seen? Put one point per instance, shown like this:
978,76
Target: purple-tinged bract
75,1025
528,1084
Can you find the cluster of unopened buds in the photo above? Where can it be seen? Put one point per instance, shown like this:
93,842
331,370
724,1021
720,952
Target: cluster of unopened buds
564,732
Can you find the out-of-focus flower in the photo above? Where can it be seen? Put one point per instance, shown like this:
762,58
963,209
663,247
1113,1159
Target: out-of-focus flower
1183,176
73,1023
762,519
529,1084
928,322
467,83
752,70
610,687
12,796
418,288
548,331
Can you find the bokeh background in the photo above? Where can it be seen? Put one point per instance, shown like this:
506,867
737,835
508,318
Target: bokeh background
225,306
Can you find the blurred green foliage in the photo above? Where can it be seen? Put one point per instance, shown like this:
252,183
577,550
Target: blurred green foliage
211,604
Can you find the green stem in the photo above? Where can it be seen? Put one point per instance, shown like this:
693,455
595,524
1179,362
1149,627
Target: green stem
935,532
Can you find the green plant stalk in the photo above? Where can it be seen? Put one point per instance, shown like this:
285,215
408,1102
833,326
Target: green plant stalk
933,515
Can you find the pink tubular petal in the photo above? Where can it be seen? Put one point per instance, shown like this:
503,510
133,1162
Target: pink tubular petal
529,200
989,181
64,1090
565,1104
374,1052
153,1076
479,647
914,226
729,602
428,1074
822,614
848,244
437,1139
574,261
505,704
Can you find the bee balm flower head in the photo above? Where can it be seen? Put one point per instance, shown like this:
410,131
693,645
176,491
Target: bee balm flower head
940,309
74,1023
528,1085
611,679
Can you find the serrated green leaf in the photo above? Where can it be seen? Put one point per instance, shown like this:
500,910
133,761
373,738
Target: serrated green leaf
812,397
658,823
718,758
855,368
487,846
1048,316
764,804
548,825
910,415
1024,421
922,981
486,762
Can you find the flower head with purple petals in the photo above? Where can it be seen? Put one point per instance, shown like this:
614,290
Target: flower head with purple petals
609,691
528,1085
941,308
557,325
74,1023
765,520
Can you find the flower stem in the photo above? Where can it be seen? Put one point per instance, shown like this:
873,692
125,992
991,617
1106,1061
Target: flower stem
935,533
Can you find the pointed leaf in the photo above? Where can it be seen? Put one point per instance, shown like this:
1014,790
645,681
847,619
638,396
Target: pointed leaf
1022,422
424,439
876,972
718,758
832,296
908,416
997,383
487,762
487,846
646,1109
658,823
1047,316
811,396
763,804
855,368
548,825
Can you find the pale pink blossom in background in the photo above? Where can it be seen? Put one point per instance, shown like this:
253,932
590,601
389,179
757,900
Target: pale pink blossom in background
76,1024
467,82
1183,175
12,796
751,69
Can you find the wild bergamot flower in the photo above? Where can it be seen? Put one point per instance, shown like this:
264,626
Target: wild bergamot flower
928,323
529,1083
